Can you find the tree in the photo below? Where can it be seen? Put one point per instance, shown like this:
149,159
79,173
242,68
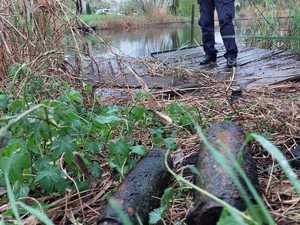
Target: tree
174,7
145,6
80,6
88,9
185,8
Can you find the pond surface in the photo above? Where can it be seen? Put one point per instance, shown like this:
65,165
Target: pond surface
142,42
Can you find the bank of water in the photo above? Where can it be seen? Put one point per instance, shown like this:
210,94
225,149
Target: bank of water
142,42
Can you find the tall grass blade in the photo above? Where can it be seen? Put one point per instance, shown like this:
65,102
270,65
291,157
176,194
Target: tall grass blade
232,172
240,217
121,215
229,168
256,196
11,198
283,162
38,214
4,129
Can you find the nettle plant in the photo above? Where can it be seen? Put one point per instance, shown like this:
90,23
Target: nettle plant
39,143
40,137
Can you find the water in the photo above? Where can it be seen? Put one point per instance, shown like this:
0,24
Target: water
136,44
142,42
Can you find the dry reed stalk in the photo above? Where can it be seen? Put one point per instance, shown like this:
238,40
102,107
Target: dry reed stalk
30,31
264,110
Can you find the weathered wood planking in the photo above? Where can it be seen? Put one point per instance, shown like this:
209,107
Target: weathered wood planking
110,72
257,67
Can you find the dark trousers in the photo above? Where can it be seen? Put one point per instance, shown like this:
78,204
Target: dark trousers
226,13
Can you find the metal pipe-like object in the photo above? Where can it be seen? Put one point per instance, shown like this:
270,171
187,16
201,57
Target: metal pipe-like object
139,194
229,140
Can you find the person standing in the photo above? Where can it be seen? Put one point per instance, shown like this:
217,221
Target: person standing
226,14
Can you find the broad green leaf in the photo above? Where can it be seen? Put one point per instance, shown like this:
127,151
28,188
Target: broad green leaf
12,147
118,154
94,148
3,101
139,150
167,197
170,143
15,165
17,106
20,189
49,178
75,96
157,135
63,145
113,109
107,119
181,115
95,169
156,215
138,113
88,88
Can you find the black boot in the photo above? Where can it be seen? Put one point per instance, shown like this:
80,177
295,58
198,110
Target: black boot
231,62
208,59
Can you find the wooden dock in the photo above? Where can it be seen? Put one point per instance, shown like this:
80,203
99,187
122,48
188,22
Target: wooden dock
256,67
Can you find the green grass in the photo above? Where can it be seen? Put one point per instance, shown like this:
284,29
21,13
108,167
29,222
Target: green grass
97,19
62,126
125,22
40,128
270,32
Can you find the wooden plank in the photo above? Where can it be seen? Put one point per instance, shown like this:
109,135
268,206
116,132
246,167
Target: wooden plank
184,55
257,67
281,67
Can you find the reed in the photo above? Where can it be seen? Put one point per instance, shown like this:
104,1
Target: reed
32,45
117,22
277,26
32,67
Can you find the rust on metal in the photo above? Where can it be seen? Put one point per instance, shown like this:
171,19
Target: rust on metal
229,140
140,191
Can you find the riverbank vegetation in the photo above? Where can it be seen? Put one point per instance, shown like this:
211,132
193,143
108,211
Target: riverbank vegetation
134,14
122,22
275,24
64,150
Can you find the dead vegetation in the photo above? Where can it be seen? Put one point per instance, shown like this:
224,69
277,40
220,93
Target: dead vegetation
273,111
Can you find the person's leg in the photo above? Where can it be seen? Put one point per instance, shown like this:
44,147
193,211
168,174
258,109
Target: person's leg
226,13
206,23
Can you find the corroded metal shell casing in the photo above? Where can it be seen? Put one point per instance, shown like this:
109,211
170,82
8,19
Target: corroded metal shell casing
229,140
139,194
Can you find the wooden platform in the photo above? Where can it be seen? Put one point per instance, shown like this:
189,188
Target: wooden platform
256,67
118,76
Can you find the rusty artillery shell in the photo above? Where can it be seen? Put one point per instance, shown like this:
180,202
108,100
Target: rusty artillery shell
228,139
139,194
